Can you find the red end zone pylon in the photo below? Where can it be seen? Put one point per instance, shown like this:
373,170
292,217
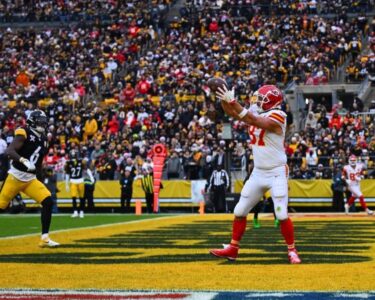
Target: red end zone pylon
159,154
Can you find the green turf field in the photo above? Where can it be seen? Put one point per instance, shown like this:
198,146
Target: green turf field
14,225
128,252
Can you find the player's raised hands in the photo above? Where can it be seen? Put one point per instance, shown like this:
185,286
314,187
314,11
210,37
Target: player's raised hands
226,95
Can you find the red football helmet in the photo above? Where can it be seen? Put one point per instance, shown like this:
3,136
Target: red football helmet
352,160
268,97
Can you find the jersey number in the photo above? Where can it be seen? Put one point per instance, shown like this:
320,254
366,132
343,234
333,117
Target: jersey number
76,171
352,175
35,156
253,138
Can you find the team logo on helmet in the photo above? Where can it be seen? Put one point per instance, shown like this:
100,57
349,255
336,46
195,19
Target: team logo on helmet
268,97
37,120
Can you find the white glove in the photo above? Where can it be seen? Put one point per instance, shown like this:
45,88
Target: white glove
67,188
28,164
226,95
358,178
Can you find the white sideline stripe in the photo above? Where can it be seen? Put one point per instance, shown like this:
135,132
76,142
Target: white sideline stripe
273,294
191,295
88,227
351,295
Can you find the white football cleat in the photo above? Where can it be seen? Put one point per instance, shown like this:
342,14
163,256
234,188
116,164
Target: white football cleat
81,214
346,208
369,211
48,243
293,257
75,214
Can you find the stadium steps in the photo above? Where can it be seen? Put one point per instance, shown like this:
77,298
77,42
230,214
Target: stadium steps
368,97
341,71
174,11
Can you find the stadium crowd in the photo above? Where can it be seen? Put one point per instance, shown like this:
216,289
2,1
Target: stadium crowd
285,7
78,10
113,90
363,65
328,139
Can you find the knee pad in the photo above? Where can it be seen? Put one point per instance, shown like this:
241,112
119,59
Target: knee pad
281,209
48,202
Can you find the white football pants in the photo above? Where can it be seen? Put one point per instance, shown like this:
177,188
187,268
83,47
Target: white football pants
355,189
261,181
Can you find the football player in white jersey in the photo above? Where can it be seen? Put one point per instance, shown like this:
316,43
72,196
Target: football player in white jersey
267,133
353,174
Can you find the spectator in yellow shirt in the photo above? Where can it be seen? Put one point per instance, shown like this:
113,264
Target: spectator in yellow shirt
351,72
91,127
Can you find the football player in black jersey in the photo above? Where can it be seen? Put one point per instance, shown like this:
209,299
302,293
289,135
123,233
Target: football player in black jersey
74,181
26,152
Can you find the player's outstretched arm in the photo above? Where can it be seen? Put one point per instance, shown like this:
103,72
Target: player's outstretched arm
237,111
228,109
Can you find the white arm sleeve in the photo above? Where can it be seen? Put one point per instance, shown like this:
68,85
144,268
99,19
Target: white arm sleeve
90,175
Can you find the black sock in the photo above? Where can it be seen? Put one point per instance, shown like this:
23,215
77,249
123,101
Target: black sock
74,203
82,204
46,214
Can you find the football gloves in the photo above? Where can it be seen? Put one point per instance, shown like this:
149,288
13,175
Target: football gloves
28,164
226,95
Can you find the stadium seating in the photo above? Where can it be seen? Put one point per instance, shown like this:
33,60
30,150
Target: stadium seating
144,81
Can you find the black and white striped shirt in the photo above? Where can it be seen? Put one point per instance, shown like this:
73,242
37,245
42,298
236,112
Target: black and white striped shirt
219,178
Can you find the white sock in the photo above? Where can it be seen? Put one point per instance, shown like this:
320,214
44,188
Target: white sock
44,236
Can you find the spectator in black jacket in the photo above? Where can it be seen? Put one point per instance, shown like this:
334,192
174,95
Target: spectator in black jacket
173,166
126,182
338,188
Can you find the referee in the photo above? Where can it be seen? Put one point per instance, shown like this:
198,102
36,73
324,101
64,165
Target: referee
219,183
148,187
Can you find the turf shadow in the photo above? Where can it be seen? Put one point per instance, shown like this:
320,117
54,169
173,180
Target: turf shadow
319,242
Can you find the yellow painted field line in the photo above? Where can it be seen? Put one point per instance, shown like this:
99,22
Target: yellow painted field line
90,227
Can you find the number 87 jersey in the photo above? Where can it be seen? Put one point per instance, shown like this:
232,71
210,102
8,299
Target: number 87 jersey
34,149
268,147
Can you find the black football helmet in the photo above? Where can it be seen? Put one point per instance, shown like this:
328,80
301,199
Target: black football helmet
37,120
